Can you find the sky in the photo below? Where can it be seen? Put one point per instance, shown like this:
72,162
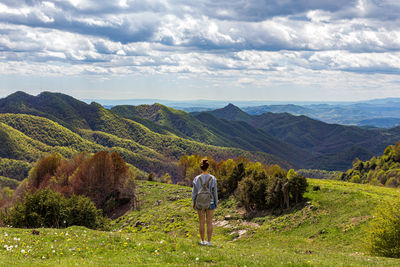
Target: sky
272,50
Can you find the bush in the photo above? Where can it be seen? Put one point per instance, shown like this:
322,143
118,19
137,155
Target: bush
104,177
384,230
46,208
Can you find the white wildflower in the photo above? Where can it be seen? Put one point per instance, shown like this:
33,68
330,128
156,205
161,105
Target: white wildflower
162,241
53,251
5,234
197,258
22,250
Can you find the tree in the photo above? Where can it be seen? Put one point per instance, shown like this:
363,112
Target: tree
384,231
104,178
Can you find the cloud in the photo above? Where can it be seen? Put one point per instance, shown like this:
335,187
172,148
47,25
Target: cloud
289,42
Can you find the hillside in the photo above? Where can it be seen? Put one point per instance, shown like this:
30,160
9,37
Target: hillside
383,170
175,121
328,231
209,129
57,107
65,125
327,142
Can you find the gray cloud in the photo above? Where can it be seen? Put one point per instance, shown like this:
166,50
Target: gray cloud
224,37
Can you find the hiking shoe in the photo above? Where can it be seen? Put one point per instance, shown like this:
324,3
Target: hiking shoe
208,243
203,242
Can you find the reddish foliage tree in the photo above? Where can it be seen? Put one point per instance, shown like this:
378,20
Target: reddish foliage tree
104,178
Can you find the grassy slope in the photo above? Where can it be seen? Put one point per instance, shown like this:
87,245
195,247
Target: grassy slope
330,233
29,137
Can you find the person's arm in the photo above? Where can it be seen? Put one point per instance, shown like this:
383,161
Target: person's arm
215,193
194,193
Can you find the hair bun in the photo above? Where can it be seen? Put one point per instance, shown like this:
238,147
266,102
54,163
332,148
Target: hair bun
204,164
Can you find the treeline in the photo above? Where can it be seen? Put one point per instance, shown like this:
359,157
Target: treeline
16,169
104,179
383,170
256,186
320,174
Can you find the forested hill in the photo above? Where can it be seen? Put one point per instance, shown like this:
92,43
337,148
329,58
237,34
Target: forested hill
211,130
332,145
35,126
154,137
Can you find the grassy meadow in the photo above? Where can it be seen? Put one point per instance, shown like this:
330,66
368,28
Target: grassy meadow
329,230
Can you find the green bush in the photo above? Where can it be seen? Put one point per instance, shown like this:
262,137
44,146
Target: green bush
384,231
46,208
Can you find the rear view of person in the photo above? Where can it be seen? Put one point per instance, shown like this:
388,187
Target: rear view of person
205,200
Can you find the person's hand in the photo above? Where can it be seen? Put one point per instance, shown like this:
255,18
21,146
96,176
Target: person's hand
194,206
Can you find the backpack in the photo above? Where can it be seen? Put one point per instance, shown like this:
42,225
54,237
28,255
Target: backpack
203,198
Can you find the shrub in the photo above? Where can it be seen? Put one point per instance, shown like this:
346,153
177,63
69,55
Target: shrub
244,193
46,208
104,177
356,179
297,187
384,230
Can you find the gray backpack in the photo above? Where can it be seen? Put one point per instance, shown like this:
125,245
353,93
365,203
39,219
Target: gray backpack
203,198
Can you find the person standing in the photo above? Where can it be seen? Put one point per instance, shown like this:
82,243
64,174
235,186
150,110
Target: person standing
205,200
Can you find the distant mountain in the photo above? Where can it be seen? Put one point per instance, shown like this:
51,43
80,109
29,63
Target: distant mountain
231,112
154,137
34,126
345,113
243,135
209,129
384,112
290,108
327,142
380,122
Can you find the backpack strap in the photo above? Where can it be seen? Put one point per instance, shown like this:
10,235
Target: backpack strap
206,184
209,179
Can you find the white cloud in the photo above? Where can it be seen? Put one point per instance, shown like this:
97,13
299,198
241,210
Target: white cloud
251,43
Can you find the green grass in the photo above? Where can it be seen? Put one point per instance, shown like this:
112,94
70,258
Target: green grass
329,231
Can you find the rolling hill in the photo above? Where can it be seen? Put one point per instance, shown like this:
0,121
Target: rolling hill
33,126
209,129
329,230
328,143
